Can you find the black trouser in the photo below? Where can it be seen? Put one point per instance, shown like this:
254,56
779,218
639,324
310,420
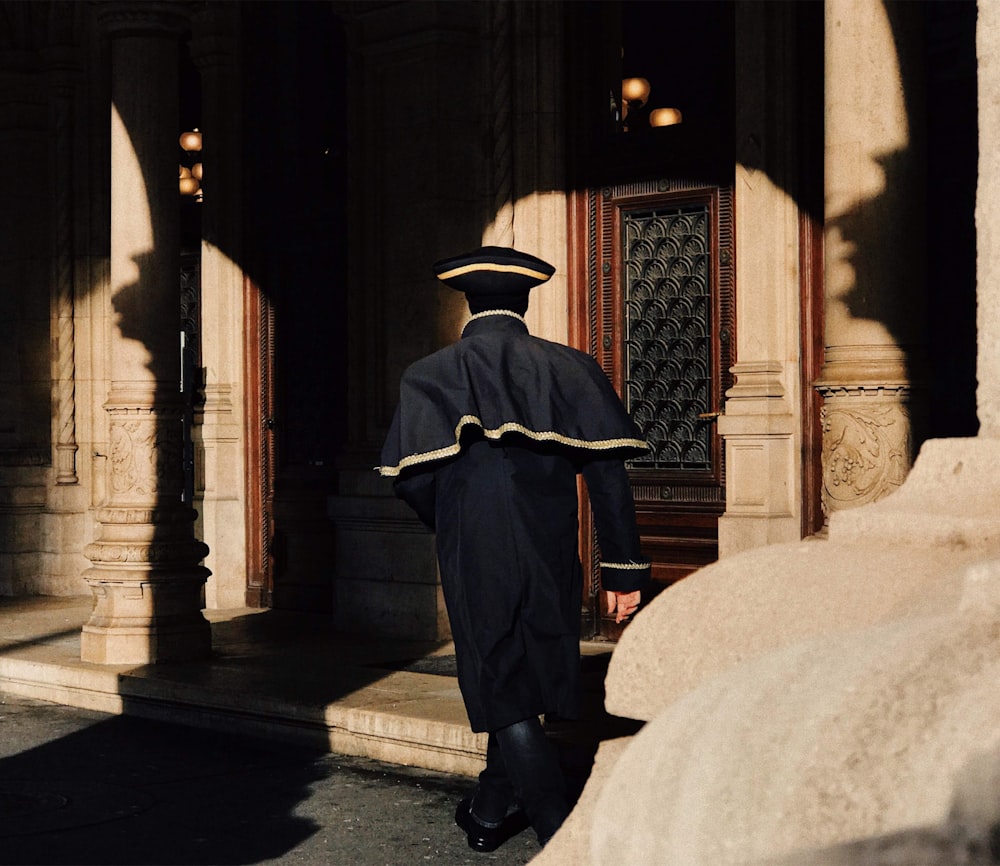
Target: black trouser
521,765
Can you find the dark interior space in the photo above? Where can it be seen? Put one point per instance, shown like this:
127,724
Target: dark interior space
295,242
952,160
685,50
293,249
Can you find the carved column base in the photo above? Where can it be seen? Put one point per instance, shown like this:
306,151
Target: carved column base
66,464
867,443
121,630
147,585
761,467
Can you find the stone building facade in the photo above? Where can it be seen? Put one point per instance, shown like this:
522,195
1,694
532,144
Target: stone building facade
194,388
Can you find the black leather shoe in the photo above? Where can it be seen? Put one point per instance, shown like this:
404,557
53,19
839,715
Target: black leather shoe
486,839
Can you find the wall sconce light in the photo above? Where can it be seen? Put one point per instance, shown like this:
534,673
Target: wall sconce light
635,101
665,117
189,176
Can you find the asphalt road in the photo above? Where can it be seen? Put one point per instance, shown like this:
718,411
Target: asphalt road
80,787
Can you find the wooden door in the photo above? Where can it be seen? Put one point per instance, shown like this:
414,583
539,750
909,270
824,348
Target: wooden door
294,240
260,452
654,304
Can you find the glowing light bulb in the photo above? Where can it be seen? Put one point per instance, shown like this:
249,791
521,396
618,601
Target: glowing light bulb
190,140
665,117
635,90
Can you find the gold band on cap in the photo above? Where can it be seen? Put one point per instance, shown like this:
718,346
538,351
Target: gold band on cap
496,268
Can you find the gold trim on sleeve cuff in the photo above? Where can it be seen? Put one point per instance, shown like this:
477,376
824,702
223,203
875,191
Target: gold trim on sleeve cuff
626,566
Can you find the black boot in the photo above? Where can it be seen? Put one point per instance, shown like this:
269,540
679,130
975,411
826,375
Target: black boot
533,768
488,837
494,795
490,816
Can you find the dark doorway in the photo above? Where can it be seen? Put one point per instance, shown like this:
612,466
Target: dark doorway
295,242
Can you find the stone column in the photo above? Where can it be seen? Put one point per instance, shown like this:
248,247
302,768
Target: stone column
874,279
218,429
68,517
761,422
146,576
63,67
534,103
988,223
526,204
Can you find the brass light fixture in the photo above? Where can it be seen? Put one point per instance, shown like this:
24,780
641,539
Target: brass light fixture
635,101
189,176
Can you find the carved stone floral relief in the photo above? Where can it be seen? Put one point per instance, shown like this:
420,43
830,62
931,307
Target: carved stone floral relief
145,459
866,452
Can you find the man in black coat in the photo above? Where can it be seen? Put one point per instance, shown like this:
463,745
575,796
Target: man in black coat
486,445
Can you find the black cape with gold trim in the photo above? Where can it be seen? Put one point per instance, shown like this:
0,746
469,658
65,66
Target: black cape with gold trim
502,499
498,381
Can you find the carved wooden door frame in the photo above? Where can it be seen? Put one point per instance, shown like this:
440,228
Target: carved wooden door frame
260,454
678,509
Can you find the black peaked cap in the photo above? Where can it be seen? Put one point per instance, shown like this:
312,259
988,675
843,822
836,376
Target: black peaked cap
493,271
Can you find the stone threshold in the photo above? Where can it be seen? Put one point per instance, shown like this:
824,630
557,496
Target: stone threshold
326,692
278,675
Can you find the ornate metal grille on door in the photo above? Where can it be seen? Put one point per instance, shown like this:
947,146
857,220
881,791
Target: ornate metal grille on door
659,317
667,340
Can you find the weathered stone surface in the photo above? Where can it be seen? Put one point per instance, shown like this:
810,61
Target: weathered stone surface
742,608
877,740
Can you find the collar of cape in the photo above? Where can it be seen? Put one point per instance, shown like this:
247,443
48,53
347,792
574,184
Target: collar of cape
489,313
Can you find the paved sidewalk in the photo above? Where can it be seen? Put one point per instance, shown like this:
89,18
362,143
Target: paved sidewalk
242,757
83,787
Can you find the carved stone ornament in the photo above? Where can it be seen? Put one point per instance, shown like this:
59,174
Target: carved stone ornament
172,553
160,516
145,459
866,452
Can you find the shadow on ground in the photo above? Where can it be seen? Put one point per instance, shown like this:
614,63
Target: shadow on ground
78,787
81,787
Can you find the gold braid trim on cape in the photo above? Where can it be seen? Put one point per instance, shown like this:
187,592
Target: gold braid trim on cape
497,433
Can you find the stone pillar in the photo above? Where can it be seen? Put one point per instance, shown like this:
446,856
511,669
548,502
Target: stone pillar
63,67
874,279
988,223
68,517
218,429
526,204
146,576
760,425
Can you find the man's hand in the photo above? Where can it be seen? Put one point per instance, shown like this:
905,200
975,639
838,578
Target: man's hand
624,603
